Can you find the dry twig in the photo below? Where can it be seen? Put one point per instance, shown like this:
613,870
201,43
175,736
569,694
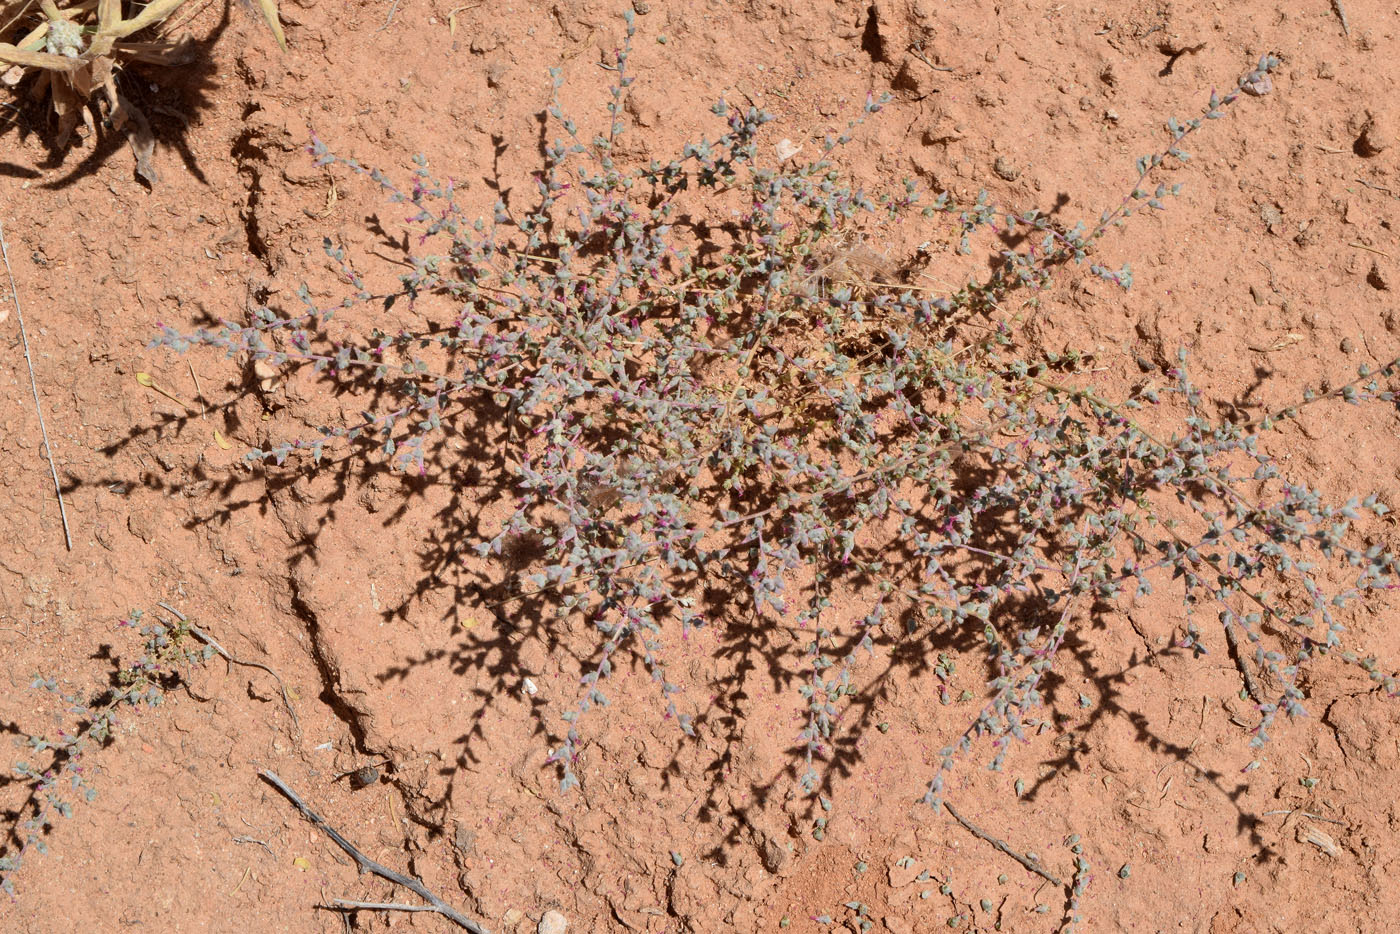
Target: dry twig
345,904
1369,249
1002,845
366,864
34,387
1374,187
210,641
1291,811
393,8
1242,663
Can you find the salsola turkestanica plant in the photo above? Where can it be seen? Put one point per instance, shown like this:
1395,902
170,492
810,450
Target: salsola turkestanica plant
686,408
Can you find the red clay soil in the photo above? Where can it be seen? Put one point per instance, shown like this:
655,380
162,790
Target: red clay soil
1275,268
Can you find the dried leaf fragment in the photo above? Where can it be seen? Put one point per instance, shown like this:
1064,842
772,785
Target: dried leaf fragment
269,12
1307,833
142,141
787,149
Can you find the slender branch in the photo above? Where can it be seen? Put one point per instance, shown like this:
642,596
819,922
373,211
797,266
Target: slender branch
1237,653
34,387
210,641
344,904
1002,845
393,8
366,864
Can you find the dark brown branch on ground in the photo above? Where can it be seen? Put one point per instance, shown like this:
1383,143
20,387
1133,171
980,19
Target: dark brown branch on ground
1002,845
368,865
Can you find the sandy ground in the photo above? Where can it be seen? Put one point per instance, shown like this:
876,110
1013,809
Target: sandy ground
1275,268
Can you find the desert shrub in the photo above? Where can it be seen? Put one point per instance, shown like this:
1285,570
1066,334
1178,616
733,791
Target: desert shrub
700,385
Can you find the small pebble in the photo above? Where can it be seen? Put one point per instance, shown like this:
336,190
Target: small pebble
1005,170
553,923
1272,217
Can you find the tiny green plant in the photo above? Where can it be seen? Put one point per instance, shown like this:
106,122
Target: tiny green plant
686,410
56,769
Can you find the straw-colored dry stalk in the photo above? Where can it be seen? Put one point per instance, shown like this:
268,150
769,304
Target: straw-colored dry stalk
79,48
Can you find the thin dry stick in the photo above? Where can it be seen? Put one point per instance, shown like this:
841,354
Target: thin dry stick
368,865
262,843
393,8
34,386
1293,811
198,393
1237,653
209,641
915,52
1002,845
345,904
1374,187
